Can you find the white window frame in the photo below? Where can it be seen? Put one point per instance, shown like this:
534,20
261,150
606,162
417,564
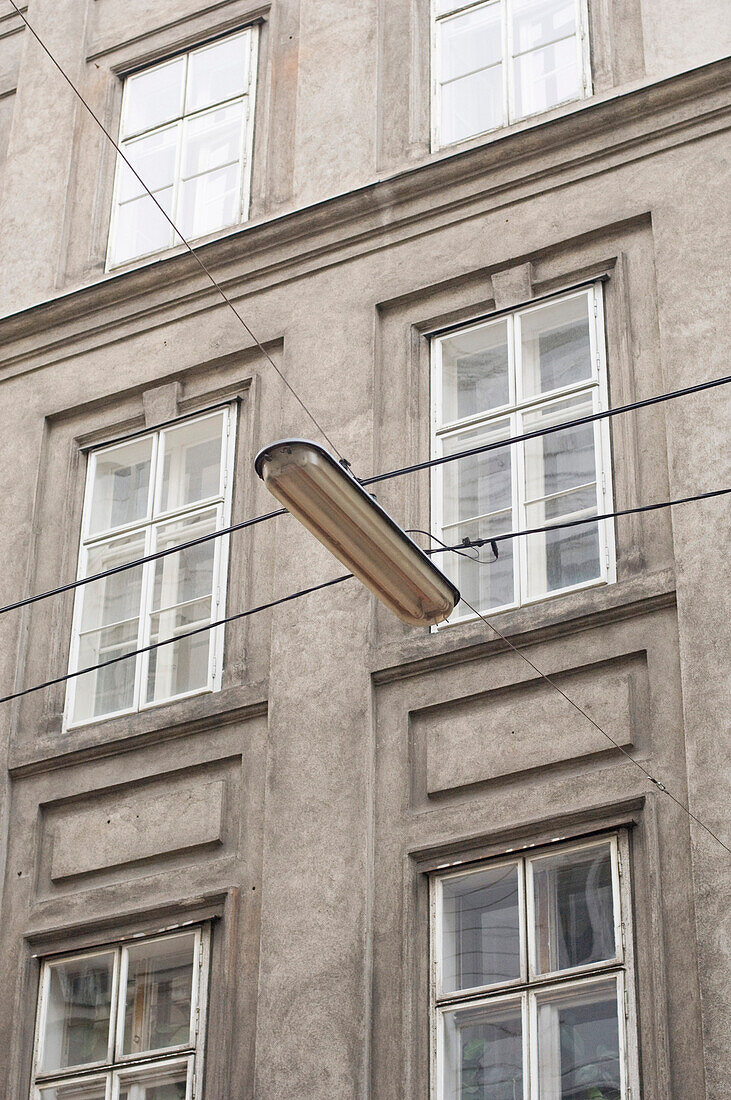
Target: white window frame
148,528
118,1066
529,986
246,149
514,411
507,61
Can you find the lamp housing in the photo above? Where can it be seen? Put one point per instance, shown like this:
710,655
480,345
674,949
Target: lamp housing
332,504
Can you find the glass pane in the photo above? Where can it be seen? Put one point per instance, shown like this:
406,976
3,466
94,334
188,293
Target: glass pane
191,463
478,484
109,628
210,202
187,575
120,493
153,158
485,584
158,995
483,1052
78,1012
472,105
75,1089
480,928
218,72
141,228
474,371
555,346
561,559
578,1043
546,77
574,909
182,601
212,139
470,41
153,97
536,22
154,1083
564,459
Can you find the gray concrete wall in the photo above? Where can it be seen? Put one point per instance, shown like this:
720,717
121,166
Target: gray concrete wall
346,754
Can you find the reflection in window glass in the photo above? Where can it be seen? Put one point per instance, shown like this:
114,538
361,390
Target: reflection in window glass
503,60
169,487
578,1043
544,922
158,994
503,375
480,929
574,908
75,1089
186,129
483,1052
78,1012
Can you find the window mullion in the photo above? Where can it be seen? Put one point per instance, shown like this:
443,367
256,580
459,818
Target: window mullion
508,91
148,577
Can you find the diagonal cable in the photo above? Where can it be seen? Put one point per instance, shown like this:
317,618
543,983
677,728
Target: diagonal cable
169,220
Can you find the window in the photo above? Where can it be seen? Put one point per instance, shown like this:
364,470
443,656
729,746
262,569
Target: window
500,61
187,129
532,981
531,369
147,494
123,1022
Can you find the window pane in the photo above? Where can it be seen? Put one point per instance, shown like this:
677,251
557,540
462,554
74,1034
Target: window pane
477,484
182,601
563,459
578,1043
191,463
218,72
153,158
74,1090
555,346
153,97
78,1012
470,41
154,1083
536,22
574,908
158,996
210,202
483,1052
212,139
472,105
121,486
109,628
546,77
141,228
474,371
480,928
487,583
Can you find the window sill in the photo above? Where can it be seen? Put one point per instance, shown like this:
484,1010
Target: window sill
531,624
169,721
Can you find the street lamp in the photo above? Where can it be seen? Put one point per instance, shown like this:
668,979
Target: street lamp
334,506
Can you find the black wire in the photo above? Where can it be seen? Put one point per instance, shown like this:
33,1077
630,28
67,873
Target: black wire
178,637
589,419
369,481
143,560
306,591
660,786
466,544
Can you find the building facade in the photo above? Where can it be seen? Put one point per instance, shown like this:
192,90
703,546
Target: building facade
314,852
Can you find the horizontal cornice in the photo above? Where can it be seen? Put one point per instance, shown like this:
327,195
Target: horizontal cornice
588,139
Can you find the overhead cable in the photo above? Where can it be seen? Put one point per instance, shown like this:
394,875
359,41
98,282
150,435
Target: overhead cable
496,445
572,702
174,227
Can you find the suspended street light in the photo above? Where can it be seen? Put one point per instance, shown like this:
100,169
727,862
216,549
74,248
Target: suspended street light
334,506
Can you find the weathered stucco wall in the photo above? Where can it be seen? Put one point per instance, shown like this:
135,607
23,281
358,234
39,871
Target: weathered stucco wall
346,755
